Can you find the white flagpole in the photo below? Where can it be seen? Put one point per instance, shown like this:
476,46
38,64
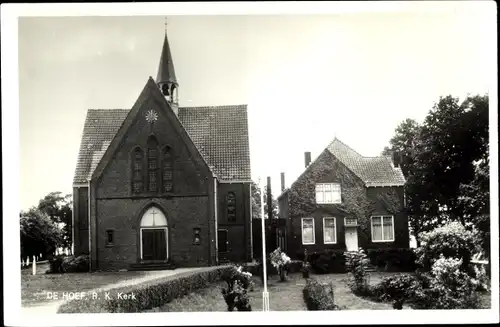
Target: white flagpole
265,294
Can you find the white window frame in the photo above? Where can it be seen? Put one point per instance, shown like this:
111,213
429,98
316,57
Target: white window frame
382,224
302,231
325,202
334,228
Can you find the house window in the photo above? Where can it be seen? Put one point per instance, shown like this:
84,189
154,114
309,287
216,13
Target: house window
168,169
328,193
308,231
152,164
231,206
349,221
329,230
382,229
110,237
138,178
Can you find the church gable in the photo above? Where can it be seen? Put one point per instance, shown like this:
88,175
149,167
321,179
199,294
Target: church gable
151,154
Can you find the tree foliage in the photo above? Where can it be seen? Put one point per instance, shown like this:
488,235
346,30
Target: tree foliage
39,234
445,162
58,208
256,202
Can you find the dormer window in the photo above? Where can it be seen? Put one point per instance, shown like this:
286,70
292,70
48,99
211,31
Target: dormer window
328,193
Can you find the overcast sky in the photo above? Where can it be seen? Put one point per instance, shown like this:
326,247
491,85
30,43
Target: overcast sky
306,79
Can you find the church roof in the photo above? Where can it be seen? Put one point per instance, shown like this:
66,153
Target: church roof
374,171
220,133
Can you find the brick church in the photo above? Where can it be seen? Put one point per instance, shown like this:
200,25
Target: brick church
159,185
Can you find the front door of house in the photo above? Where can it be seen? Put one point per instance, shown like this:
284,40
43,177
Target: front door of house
351,238
222,240
154,244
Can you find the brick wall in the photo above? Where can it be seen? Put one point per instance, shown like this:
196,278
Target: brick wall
299,202
188,206
122,216
239,231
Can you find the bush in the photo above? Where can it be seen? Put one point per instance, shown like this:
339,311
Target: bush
445,287
55,265
317,297
78,264
357,264
147,295
280,262
393,259
236,292
328,261
397,288
451,241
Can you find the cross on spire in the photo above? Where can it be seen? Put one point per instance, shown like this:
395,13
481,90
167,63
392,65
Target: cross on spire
166,23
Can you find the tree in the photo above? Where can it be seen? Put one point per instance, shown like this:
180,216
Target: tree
256,202
39,234
440,161
59,209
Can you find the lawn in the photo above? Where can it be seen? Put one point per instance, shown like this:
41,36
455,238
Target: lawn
283,296
35,288
286,296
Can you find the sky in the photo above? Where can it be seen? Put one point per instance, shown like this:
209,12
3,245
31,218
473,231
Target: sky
305,78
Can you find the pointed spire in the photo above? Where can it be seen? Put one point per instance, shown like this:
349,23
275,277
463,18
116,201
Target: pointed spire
166,72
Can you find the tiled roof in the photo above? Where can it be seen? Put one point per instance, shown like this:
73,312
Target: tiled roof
219,133
374,171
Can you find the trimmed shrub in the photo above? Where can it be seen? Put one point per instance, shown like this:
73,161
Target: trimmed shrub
317,297
78,264
146,295
393,259
55,265
328,261
451,241
357,264
68,264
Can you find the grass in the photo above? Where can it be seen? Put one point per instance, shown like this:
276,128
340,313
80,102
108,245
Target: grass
287,296
35,288
283,296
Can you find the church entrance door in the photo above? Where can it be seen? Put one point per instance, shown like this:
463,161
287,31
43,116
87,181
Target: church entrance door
154,244
154,236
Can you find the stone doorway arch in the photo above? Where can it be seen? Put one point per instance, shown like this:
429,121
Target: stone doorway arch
153,236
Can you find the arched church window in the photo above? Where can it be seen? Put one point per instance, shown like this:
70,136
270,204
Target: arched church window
168,169
138,177
231,206
152,164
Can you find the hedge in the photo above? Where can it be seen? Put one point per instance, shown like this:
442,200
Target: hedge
393,259
328,261
147,295
317,297
69,264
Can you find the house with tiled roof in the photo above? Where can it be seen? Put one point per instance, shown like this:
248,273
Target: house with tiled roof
344,201
159,185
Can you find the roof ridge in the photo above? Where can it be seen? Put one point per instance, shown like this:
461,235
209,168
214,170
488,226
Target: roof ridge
347,146
228,106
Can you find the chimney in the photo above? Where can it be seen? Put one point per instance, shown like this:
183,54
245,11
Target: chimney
282,182
269,199
396,159
307,157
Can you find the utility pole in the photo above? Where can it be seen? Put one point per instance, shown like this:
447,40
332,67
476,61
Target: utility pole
265,294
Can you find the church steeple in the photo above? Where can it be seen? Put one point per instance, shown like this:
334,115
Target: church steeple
166,80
